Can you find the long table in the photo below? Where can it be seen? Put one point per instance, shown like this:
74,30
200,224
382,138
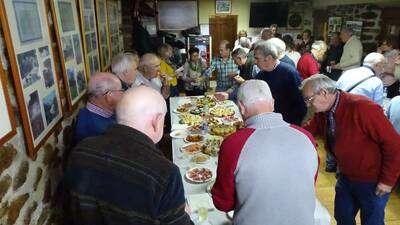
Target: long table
182,160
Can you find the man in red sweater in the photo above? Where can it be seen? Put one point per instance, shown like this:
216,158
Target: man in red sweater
365,144
308,63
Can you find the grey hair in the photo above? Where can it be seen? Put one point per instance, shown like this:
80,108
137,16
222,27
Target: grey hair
319,46
244,42
97,87
239,52
279,44
267,48
319,82
253,91
146,59
374,58
348,30
122,63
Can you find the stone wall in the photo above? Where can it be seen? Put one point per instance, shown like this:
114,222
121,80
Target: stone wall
27,186
369,14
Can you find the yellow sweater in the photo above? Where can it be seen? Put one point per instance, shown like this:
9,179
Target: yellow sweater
169,71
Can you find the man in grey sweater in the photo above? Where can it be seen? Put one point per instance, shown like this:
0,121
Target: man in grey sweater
266,171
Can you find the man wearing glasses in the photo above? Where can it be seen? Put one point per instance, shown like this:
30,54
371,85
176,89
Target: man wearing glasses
364,143
104,92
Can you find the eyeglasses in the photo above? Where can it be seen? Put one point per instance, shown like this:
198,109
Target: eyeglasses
110,91
308,100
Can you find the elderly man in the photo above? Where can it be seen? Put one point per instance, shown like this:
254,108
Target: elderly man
104,91
365,80
266,34
149,68
309,62
124,65
244,63
226,68
254,178
283,81
281,47
352,51
365,144
121,178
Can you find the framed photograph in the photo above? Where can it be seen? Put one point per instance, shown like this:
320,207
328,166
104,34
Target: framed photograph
102,27
32,66
7,120
114,27
65,15
28,20
89,34
223,6
356,26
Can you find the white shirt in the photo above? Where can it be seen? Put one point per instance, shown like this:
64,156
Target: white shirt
352,54
371,88
293,55
141,80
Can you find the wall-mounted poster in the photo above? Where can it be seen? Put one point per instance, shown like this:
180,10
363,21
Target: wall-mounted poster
26,34
334,25
7,120
89,35
102,25
68,34
114,26
356,26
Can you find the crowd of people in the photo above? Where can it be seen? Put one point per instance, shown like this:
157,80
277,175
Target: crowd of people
266,171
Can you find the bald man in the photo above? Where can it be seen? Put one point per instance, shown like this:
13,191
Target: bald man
121,178
104,91
149,74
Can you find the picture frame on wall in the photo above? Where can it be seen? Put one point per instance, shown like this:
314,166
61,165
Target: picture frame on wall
223,6
89,35
102,27
7,119
33,71
68,34
114,27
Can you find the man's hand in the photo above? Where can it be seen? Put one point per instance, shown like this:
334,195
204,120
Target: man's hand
221,96
239,79
382,189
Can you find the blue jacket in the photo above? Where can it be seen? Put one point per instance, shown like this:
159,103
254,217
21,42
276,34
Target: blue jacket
91,124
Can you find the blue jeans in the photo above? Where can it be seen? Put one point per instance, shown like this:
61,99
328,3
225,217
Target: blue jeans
354,196
173,91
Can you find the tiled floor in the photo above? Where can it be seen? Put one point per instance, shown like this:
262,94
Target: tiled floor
326,192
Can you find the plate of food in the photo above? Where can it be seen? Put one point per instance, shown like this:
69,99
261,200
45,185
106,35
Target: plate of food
211,146
190,119
184,108
192,148
194,138
199,175
207,100
200,158
194,128
196,111
223,129
178,133
222,111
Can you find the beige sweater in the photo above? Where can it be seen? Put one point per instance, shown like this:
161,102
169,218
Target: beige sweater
352,54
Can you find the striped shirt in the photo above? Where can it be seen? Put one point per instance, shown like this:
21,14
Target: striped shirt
97,110
224,82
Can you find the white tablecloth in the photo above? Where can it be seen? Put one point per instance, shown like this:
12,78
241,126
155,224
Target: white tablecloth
215,216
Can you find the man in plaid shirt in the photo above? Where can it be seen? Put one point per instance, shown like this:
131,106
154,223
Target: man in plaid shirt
226,68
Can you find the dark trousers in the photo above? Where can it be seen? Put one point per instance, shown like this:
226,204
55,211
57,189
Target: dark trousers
173,91
354,196
194,92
